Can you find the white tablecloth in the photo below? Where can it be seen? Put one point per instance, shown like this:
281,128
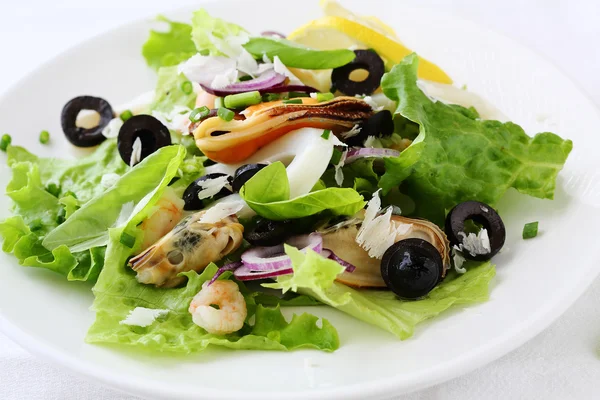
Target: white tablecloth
561,363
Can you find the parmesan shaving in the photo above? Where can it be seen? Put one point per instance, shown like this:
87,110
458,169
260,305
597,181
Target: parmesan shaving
210,187
136,152
352,132
339,173
476,244
458,259
112,129
221,210
142,316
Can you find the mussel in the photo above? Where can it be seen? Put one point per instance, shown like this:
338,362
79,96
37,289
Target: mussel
236,140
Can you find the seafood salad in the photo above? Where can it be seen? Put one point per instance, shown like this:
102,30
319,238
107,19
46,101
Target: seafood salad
327,167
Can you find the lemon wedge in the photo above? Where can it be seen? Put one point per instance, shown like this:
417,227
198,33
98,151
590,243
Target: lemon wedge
335,32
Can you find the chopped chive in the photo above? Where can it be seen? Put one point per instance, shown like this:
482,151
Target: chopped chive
127,240
326,134
293,101
44,137
298,94
225,114
60,217
53,189
336,156
5,141
36,225
187,87
242,100
198,113
125,115
245,78
270,97
530,230
321,97
219,102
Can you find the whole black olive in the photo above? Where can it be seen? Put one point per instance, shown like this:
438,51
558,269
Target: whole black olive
151,132
411,268
190,196
85,137
479,213
380,124
243,175
365,59
266,232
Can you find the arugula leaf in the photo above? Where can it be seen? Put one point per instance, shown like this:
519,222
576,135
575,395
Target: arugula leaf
314,276
204,26
296,56
88,226
462,158
164,49
266,193
169,93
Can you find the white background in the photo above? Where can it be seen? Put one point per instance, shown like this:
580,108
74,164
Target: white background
561,363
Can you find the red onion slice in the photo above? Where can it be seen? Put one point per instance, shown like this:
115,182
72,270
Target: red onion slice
245,273
355,154
225,268
264,82
274,258
332,256
273,34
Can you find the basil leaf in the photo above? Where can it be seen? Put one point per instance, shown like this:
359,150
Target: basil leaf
296,56
270,184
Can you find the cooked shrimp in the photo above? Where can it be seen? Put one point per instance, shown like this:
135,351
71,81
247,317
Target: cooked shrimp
205,99
231,312
169,211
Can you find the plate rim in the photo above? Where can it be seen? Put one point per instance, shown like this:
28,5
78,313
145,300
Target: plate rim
511,340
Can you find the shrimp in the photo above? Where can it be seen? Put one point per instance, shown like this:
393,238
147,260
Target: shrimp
205,99
231,312
169,211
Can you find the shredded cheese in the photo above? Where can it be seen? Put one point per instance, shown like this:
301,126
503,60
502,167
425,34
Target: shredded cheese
136,152
210,187
112,129
221,210
141,316
476,244
352,132
339,173
458,259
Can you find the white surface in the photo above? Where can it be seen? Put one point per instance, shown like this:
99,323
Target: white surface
560,363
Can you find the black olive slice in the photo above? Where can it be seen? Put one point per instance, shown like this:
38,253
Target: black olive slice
365,59
269,233
380,124
411,268
152,133
243,175
85,137
481,214
190,196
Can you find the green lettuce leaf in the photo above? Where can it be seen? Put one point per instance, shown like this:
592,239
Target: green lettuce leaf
165,49
463,158
314,276
203,26
24,232
143,184
267,193
293,55
118,292
171,91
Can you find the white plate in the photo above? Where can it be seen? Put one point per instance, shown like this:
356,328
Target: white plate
537,280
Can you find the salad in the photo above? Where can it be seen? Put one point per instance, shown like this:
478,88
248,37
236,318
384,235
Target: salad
329,167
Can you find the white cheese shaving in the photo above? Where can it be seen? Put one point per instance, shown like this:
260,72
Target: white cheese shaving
339,174
377,232
224,79
313,95
373,142
112,129
210,187
458,259
246,63
280,68
380,101
204,69
221,210
136,152
476,244
109,180
141,316
352,132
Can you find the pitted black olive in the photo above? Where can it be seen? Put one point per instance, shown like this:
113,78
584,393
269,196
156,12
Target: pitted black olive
411,268
190,196
243,175
365,59
380,124
152,133
266,232
481,214
85,137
